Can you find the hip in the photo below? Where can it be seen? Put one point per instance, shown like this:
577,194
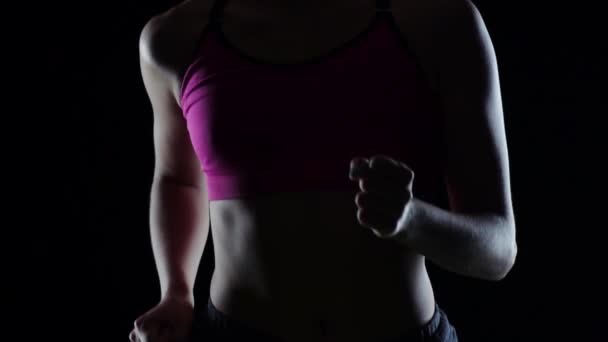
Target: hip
348,304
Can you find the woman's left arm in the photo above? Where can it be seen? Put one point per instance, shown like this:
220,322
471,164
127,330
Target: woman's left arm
476,237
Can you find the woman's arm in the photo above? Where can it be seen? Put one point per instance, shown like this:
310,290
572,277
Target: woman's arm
476,237
179,207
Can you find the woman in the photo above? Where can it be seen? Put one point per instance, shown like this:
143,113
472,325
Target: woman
335,145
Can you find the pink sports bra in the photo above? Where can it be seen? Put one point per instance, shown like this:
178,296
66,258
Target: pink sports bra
260,127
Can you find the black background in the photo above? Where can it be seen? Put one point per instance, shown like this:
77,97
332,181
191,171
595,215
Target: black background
98,273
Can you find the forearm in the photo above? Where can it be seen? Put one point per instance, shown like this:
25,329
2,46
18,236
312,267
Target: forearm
480,246
179,227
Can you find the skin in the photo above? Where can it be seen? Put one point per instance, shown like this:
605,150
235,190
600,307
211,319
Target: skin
285,263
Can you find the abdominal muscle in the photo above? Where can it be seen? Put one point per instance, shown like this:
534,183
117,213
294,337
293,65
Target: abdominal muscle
288,264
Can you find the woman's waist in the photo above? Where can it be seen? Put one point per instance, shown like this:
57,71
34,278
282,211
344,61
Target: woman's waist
323,290
321,259
327,254
349,302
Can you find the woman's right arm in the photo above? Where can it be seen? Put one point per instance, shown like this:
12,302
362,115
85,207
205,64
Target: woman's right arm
179,206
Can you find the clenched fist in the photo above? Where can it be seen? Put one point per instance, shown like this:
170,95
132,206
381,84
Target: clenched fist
386,193
169,321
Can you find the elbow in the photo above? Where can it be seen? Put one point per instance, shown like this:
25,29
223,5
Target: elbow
505,260
504,266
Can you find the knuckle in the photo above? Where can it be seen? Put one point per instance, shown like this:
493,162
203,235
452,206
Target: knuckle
376,161
364,184
359,199
139,323
360,215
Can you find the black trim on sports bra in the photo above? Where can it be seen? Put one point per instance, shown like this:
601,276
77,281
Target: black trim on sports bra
217,10
216,18
383,8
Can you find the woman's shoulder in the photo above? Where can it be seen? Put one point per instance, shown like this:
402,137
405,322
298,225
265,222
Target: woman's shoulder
167,39
438,28
437,16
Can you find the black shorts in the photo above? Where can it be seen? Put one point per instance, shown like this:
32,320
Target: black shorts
212,325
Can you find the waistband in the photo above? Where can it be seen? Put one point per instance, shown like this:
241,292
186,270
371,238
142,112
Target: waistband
421,333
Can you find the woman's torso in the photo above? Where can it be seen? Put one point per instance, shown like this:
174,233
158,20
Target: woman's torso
287,263
296,261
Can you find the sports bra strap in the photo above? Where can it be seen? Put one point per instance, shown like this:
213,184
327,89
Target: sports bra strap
383,6
215,15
